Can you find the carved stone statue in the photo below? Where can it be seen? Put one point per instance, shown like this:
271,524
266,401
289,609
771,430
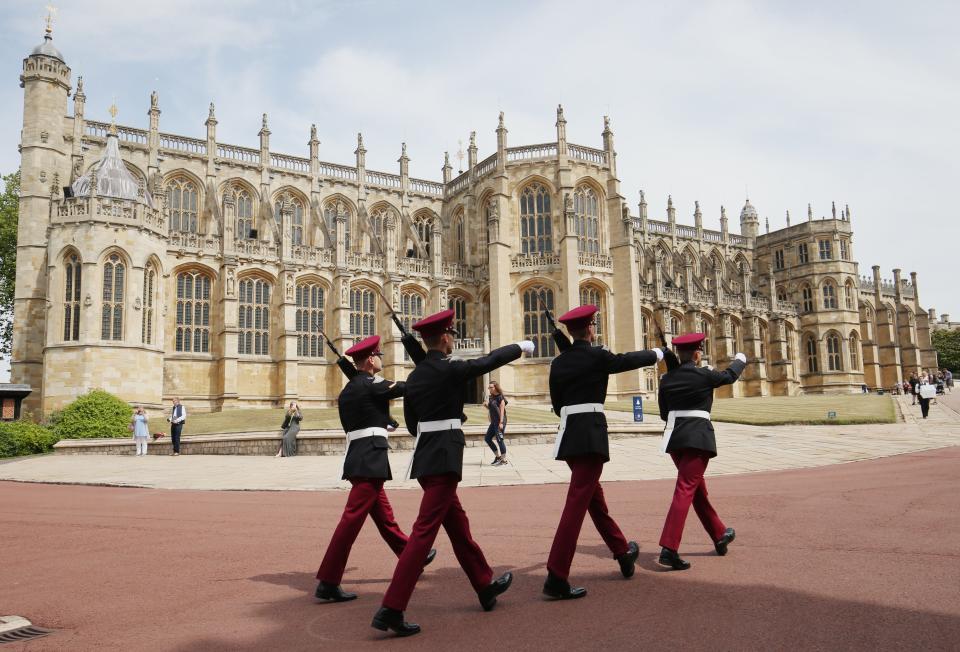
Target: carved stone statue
290,288
231,281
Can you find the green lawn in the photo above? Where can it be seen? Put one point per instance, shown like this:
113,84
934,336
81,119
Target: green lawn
253,420
782,410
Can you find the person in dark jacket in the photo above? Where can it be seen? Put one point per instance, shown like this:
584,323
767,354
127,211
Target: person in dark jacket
433,403
685,398
364,406
578,389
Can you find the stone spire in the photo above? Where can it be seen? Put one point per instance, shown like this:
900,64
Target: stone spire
846,210
360,152
788,218
724,223
697,215
809,213
833,209
472,151
642,207
767,223
447,169
79,98
264,129
501,136
561,131
671,211
404,161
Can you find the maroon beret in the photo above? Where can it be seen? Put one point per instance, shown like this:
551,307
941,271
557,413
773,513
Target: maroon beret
436,324
365,347
579,317
689,341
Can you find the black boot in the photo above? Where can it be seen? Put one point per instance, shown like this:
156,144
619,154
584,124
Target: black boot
559,589
333,592
629,559
725,540
392,619
488,595
672,559
430,557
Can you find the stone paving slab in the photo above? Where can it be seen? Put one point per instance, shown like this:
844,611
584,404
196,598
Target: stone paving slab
743,449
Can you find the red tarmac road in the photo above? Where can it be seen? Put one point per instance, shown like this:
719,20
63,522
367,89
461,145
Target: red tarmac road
853,556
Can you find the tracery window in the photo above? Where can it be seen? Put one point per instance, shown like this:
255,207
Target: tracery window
536,225
254,317
149,288
849,295
844,252
459,306
674,326
460,238
193,313
781,294
813,363
363,317
294,207
71,299
706,329
778,259
833,353
826,250
803,253
590,294
243,208
411,311
111,324
736,335
489,210
854,351
645,331
586,209
183,204
535,326
424,226
330,212
378,220
309,319
829,295
762,335
806,293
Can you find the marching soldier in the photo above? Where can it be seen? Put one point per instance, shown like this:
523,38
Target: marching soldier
686,396
433,403
578,388
364,406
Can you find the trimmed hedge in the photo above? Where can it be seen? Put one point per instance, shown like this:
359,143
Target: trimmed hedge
92,416
24,438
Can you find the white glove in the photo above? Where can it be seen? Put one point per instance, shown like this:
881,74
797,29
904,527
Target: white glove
742,358
526,346
659,353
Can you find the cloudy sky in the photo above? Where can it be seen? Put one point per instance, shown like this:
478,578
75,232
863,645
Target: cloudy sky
791,102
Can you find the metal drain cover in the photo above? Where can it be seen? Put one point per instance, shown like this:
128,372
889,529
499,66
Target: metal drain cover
15,629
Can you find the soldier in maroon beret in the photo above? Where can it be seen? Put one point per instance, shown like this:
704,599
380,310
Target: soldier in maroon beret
686,397
364,406
432,406
578,389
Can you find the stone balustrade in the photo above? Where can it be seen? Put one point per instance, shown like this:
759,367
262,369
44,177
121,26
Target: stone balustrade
414,266
524,263
110,210
596,261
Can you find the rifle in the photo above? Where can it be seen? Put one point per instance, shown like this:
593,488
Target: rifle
669,357
562,341
345,365
410,343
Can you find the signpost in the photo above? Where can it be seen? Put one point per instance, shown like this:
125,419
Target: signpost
831,414
638,409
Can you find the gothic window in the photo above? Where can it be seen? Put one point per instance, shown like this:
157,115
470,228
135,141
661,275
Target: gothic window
535,326
378,220
254,317
71,299
488,212
803,253
193,312
593,295
149,289
806,293
707,331
810,346
243,203
363,317
826,250
424,226
778,259
833,352
735,335
829,295
182,204
309,319
645,331
788,332
536,227
411,311
111,324
844,252
854,351
330,212
781,294
762,335
849,295
586,209
674,326
294,208
459,306
460,239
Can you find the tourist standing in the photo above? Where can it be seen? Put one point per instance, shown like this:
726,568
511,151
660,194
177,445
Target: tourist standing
141,430
578,389
290,428
432,407
497,408
925,392
948,380
685,400
178,416
364,407
914,381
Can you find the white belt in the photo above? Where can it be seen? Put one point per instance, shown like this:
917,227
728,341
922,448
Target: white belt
566,411
430,426
672,419
363,433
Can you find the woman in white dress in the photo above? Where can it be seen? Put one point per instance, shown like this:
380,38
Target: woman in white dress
141,431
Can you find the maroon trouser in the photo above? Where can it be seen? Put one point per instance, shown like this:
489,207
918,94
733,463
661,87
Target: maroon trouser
584,494
439,506
366,497
691,487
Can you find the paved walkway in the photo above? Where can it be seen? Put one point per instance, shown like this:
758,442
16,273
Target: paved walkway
743,449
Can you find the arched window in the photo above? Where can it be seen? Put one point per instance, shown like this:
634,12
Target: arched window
536,223
254,317
849,295
363,316
411,311
762,335
149,289
535,326
182,204
788,333
459,306
735,334
71,299
829,295
590,294
707,330
423,223
114,273
459,238
331,210
378,219
674,326
645,331
243,203
294,208
806,294
193,312
854,351
489,211
813,361
834,362
586,209
781,294
309,319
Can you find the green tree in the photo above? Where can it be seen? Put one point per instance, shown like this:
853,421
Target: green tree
947,344
9,210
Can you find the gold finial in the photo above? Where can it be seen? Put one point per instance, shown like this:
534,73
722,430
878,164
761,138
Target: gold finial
113,117
51,13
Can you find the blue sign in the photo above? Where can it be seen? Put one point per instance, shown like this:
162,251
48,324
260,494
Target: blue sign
638,408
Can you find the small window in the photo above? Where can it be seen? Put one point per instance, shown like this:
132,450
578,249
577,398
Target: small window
807,296
833,353
803,253
826,250
778,259
813,364
829,296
